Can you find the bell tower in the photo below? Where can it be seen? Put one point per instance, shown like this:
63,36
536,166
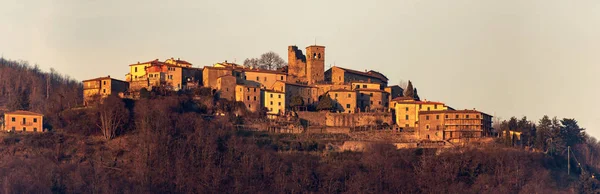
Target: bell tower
315,64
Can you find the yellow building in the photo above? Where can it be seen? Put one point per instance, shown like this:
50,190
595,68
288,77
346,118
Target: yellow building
407,110
370,100
366,85
266,78
23,121
137,71
344,100
102,87
274,101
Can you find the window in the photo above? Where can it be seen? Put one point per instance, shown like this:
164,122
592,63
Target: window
271,102
371,94
427,117
265,78
227,89
340,78
14,129
467,116
428,108
349,95
357,86
406,125
104,83
104,91
336,95
254,98
364,86
420,106
34,129
271,95
347,105
379,102
24,120
371,102
248,89
427,127
406,108
249,106
476,116
13,119
257,78
279,103
281,77
35,120
254,89
446,116
437,127
135,69
437,117
457,116
248,98
24,128
240,89
406,117
435,106
279,95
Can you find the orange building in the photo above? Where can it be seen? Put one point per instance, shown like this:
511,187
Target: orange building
23,121
454,125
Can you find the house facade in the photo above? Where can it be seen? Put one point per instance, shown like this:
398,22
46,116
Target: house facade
23,121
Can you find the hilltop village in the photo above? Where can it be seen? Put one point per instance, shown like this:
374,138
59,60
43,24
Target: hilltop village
354,99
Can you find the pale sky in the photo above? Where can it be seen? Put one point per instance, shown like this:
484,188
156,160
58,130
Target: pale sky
503,57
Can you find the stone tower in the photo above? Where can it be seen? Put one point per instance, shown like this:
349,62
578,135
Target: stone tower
296,65
315,64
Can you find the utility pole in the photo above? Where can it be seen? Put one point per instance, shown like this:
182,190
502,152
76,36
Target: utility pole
568,160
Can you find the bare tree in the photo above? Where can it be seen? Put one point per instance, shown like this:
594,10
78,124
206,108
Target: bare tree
112,115
269,60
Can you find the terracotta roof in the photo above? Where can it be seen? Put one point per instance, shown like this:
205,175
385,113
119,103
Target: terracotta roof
155,61
419,102
102,78
23,112
452,111
264,71
372,74
371,90
402,98
273,91
341,90
296,84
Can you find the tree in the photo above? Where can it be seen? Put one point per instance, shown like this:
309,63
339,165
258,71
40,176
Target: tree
251,63
112,115
144,93
269,60
296,102
416,95
571,133
543,133
409,91
325,103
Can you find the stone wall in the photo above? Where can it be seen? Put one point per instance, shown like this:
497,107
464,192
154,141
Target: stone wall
344,119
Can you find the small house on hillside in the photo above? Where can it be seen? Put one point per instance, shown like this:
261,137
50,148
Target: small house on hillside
23,121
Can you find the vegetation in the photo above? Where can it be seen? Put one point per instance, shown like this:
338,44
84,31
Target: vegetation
325,103
172,142
409,91
269,61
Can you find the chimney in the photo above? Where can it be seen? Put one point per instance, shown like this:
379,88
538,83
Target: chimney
225,61
108,76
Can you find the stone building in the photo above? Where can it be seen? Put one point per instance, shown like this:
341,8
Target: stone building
266,78
407,110
225,87
309,68
453,125
25,121
306,92
395,91
169,75
102,87
366,85
344,100
274,101
338,75
325,88
250,95
370,100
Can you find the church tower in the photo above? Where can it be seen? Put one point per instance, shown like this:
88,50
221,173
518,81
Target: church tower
315,64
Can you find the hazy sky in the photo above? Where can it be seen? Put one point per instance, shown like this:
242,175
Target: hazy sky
504,57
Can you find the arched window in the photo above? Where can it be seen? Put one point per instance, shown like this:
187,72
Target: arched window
319,55
314,55
427,127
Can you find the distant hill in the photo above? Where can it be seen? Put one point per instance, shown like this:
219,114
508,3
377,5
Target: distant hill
26,87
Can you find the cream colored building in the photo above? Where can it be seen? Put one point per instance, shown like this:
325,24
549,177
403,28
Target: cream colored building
249,95
274,101
344,100
102,87
266,78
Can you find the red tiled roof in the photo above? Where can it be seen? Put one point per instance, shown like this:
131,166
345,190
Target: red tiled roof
102,78
418,102
452,111
264,71
341,90
155,61
23,112
371,90
372,74
402,98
